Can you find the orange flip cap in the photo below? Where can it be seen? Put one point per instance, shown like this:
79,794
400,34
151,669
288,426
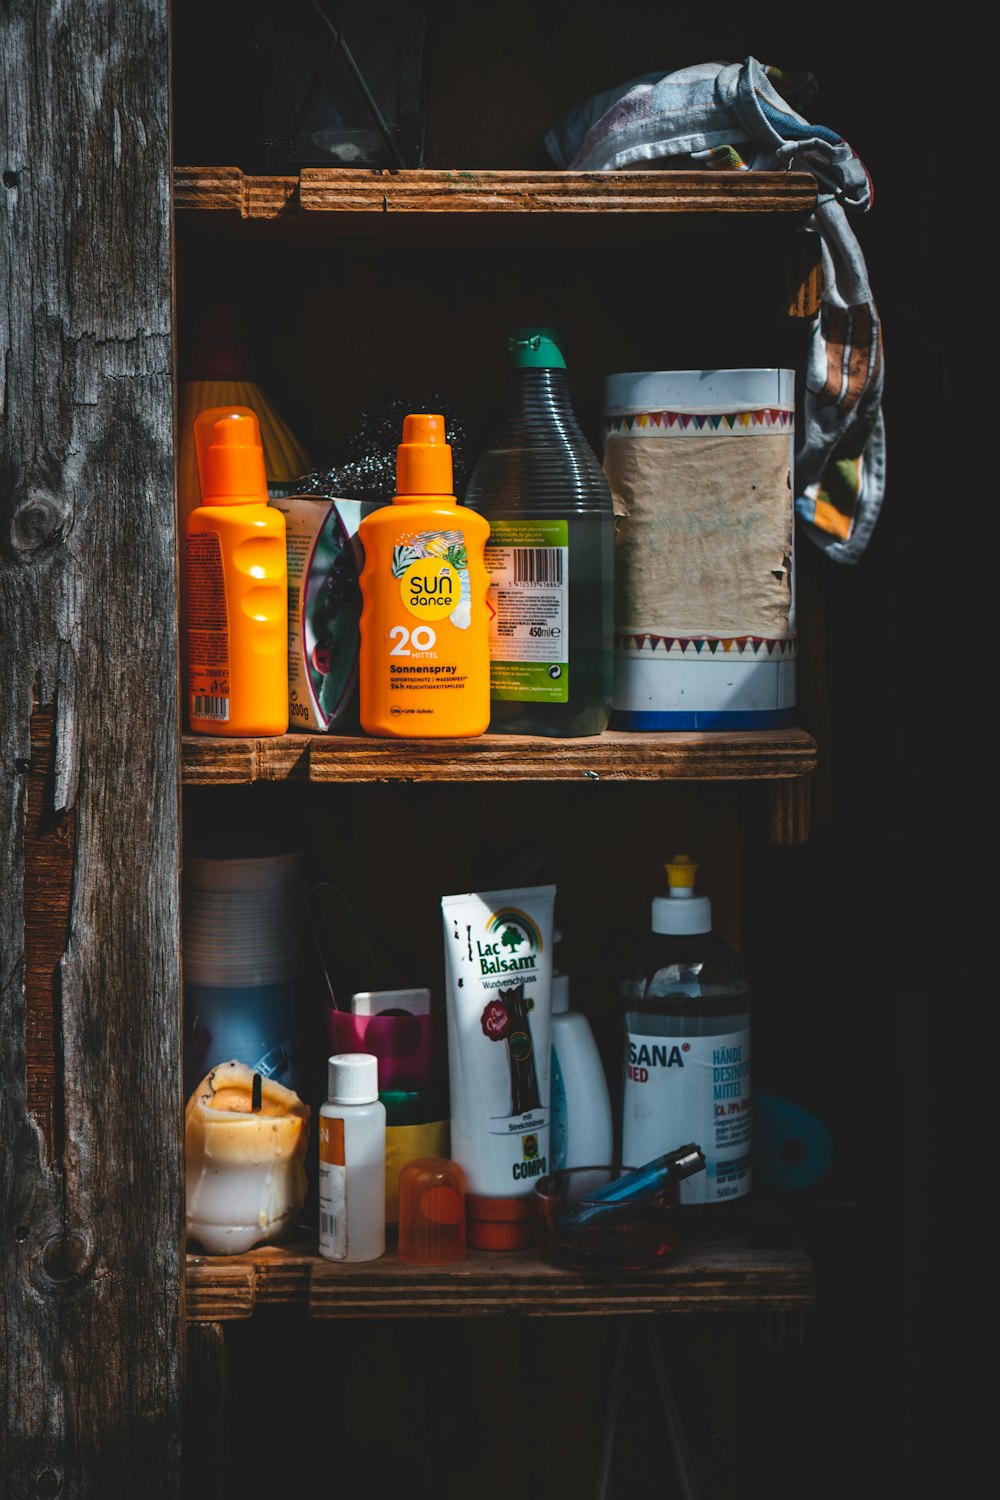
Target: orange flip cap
423,458
230,456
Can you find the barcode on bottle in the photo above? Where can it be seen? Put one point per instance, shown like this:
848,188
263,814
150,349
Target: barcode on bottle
325,1223
538,565
209,708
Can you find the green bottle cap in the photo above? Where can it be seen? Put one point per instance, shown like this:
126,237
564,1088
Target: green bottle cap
534,349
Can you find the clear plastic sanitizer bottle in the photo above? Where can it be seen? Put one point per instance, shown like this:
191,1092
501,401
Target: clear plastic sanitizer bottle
550,555
685,1005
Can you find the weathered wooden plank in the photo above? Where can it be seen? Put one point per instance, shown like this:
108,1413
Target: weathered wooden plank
211,188
675,756
322,189
702,1278
803,276
669,756
790,803
340,190
229,1292
234,1286
49,848
91,1292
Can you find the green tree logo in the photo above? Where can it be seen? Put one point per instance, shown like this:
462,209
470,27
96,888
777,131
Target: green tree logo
511,938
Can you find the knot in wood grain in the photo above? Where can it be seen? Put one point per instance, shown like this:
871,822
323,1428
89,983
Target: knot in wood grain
36,522
48,1482
67,1257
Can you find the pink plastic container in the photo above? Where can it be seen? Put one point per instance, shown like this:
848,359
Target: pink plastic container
410,1049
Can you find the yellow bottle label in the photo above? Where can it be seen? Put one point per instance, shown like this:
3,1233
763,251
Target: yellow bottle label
428,616
424,661
404,1143
430,589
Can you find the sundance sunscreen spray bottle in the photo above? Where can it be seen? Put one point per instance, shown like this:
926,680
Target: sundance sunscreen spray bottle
425,653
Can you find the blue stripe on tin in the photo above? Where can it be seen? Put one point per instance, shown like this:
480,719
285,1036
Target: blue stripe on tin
757,718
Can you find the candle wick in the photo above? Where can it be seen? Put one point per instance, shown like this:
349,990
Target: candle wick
257,1097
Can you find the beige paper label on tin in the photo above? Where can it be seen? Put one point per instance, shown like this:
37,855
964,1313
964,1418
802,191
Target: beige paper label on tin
706,545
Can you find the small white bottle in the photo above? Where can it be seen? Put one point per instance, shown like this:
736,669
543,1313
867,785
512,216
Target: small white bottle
352,1161
581,1129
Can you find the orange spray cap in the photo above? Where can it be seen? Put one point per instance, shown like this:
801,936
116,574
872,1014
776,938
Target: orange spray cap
423,458
230,456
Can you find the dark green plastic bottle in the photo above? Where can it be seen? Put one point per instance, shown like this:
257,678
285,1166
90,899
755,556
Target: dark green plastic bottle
550,555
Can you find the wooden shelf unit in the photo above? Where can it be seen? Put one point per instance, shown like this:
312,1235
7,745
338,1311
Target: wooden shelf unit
415,206
385,209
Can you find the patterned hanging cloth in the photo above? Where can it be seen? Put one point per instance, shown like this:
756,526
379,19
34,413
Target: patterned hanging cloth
740,116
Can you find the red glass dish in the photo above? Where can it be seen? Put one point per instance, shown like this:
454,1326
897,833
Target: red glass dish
629,1236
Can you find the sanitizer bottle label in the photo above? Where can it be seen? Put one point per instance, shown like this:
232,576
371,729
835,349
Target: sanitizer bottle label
691,1088
332,1189
528,564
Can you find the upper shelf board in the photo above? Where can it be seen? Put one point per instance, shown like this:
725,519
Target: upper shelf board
367,192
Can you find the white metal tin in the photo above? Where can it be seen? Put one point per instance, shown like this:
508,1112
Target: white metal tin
701,465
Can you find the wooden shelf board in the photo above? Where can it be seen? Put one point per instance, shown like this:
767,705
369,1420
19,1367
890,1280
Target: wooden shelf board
726,1276
210,760
378,192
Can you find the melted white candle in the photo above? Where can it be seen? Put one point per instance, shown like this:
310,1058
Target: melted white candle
246,1181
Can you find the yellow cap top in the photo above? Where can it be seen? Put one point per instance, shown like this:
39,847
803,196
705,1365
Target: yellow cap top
423,458
680,873
230,456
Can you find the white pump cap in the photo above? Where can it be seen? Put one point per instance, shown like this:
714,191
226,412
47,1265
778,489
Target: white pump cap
682,913
352,1078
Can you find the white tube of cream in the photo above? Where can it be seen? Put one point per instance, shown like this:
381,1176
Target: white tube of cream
498,967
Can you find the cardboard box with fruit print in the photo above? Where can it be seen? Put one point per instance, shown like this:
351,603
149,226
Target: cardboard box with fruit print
324,607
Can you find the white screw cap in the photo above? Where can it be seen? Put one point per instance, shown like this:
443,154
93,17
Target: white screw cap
352,1078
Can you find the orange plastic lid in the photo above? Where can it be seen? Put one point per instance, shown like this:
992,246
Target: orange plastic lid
482,1235
423,458
230,456
501,1210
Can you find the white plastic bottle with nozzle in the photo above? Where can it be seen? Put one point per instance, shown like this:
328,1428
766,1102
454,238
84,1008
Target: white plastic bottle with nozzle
352,1161
581,1129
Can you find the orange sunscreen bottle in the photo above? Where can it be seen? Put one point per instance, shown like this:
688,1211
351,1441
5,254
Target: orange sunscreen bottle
237,584
425,650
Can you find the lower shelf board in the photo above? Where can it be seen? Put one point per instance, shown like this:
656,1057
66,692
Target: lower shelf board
722,1276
